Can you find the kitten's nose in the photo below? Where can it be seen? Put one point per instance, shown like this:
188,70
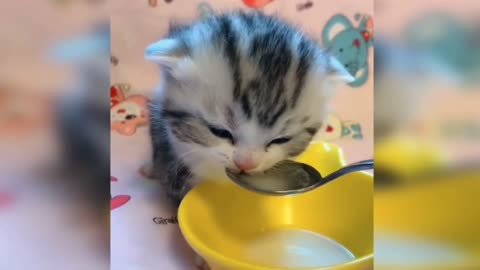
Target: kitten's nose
245,165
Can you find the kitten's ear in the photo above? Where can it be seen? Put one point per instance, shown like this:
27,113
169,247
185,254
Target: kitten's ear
336,72
171,56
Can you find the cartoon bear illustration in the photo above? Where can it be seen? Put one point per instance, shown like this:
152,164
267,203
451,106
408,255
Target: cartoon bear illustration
126,113
351,44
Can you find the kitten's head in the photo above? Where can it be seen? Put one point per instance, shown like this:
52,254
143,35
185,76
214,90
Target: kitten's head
228,107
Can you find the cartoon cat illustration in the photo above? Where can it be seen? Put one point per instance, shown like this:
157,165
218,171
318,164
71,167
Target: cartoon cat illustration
350,45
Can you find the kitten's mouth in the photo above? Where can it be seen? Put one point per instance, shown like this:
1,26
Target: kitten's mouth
234,170
242,172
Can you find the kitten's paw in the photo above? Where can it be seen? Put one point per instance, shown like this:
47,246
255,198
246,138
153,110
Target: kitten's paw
147,171
200,263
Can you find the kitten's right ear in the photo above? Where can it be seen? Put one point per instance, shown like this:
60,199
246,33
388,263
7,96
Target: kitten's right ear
336,72
170,55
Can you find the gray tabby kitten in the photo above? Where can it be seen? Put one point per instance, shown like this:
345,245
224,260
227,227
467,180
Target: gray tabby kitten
407,76
83,114
240,91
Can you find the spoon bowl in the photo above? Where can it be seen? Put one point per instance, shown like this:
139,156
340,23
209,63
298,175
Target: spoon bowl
290,177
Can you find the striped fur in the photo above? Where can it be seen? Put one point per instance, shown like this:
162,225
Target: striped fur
247,76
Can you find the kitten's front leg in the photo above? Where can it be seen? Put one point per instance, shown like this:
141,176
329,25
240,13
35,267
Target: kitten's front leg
178,181
147,170
151,171
162,152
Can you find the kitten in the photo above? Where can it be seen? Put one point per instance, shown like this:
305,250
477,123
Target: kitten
83,114
240,91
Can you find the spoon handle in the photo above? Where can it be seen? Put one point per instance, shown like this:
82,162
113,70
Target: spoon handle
354,167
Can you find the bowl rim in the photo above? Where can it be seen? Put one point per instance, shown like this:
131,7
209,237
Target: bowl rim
202,249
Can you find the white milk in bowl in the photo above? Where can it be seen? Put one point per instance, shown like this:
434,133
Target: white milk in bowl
294,248
406,251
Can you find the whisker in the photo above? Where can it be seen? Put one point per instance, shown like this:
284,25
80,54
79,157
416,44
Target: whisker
184,155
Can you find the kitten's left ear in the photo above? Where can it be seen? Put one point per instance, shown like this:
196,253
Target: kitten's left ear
336,72
171,56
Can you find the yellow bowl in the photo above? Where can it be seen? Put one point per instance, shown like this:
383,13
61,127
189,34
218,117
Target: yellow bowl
405,156
218,218
443,212
441,215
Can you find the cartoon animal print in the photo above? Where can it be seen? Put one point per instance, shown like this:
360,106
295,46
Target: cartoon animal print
256,3
352,130
350,45
126,113
331,130
336,129
204,10
116,95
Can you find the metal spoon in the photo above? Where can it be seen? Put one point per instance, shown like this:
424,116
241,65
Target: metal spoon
290,177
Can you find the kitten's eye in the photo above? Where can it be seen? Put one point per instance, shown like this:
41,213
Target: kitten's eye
221,133
280,141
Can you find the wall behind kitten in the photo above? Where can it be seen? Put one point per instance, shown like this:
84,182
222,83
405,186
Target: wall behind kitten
136,24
